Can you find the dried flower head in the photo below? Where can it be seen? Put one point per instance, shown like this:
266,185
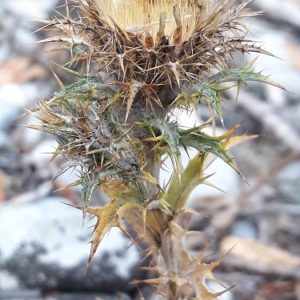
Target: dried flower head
144,59
146,46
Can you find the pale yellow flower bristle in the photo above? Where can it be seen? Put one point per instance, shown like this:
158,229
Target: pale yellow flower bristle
143,16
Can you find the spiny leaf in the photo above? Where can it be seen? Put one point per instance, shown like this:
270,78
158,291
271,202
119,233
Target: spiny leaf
89,183
182,100
181,185
168,136
84,84
108,216
205,143
162,205
70,107
104,180
212,97
106,219
241,75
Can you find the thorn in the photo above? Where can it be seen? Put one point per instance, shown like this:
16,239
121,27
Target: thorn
123,134
121,61
175,71
61,85
224,291
133,89
67,10
70,71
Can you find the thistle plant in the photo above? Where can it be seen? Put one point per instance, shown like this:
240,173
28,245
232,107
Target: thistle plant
142,61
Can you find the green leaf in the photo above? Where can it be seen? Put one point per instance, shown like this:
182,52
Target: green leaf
89,182
205,143
212,96
241,75
84,85
168,135
181,185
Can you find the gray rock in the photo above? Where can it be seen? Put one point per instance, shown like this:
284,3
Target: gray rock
31,9
43,246
36,295
8,154
8,114
4,48
287,183
244,229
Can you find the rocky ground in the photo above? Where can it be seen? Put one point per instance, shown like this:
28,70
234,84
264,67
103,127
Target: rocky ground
43,248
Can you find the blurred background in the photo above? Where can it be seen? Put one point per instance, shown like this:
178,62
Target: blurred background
43,247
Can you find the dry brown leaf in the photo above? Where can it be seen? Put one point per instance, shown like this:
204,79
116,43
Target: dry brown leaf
19,70
259,257
278,288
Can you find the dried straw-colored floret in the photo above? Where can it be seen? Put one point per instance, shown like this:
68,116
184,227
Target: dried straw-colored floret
143,60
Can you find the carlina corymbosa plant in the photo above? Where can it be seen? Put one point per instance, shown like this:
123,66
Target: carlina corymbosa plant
116,124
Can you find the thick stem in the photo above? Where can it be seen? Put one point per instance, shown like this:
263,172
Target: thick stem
169,251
